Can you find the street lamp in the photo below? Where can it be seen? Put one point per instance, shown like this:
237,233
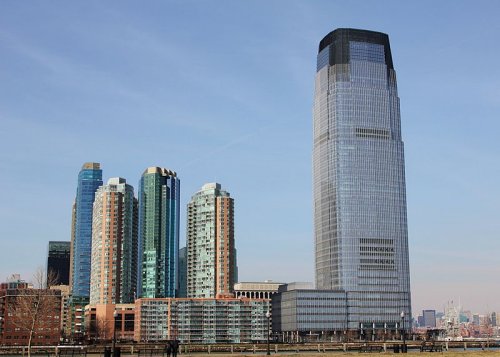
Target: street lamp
268,315
403,330
115,315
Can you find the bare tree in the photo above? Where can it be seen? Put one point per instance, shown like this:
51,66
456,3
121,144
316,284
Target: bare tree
52,279
103,329
99,329
36,309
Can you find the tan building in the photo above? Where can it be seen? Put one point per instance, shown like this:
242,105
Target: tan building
104,320
114,244
211,253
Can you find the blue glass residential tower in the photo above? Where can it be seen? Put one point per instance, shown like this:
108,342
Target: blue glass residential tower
159,212
89,179
360,223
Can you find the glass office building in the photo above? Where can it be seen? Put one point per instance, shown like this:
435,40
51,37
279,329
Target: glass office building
308,310
159,212
359,192
58,260
89,179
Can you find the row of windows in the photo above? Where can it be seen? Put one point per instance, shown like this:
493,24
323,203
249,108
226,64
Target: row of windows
373,133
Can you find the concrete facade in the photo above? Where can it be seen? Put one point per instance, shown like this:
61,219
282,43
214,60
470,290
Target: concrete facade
211,253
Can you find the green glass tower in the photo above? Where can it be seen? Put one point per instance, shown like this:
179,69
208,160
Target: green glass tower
159,199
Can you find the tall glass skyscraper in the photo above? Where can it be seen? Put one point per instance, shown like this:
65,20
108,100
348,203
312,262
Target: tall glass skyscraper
89,179
360,224
159,212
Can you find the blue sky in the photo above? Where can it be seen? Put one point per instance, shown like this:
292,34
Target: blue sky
222,91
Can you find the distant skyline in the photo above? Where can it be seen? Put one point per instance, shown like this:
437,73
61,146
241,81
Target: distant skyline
222,92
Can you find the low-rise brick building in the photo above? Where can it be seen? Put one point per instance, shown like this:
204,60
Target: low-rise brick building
22,307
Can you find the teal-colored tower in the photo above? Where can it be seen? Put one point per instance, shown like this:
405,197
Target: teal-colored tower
159,213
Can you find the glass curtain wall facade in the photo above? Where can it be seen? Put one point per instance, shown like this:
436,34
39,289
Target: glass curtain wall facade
89,179
211,255
58,261
359,192
182,273
114,244
159,212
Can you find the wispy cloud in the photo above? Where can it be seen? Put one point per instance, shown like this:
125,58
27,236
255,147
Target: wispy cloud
68,72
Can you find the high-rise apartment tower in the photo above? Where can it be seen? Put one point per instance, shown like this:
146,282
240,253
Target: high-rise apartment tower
159,210
89,179
113,277
211,254
360,224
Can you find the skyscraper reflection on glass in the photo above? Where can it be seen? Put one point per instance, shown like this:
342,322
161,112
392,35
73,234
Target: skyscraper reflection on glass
360,224
89,180
159,203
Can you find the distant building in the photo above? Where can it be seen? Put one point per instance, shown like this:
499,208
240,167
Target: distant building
17,299
494,319
465,316
256,290
475,319
114,244
182,273
89,179
58,260
211,253
484,320
201,320
462,318
159,214
429,318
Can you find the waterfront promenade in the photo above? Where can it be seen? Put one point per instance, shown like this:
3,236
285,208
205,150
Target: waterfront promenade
452,348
